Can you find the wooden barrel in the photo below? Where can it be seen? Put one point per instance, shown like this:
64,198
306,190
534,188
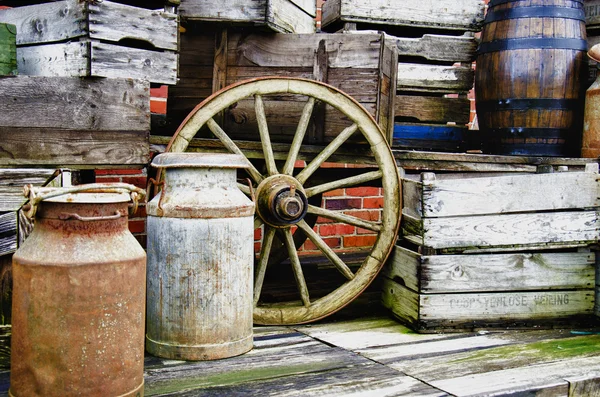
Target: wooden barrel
530,76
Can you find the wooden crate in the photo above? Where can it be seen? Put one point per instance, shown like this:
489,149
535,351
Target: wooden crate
592,25
74,122
462,15
284,16
362,65
87,38
462,214
485,250
8,49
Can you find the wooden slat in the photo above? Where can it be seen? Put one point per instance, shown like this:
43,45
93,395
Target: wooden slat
75,104
436,47
511,193
92,58
51,147
8,50
113,22
434,78
106,20
493,309
432,109
507,229
8,233
592,13
461,14
280,15
491,272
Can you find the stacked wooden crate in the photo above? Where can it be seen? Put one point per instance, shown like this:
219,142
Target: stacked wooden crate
362,65
436,46
485,251
51,115
8,49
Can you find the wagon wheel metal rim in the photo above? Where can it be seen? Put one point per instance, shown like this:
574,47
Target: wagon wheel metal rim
285,205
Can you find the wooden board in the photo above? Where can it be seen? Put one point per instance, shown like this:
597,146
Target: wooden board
105,20
432,109
74,103
592,13
8,233
520,271
460,311
434,78
87,58
439,197
52,147
456,15
429,136
285,16
436,47
549,229
8,50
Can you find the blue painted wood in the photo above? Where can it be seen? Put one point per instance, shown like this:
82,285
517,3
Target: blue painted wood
429,132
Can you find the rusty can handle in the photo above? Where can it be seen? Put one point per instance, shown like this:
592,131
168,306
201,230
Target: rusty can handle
66,216
39,194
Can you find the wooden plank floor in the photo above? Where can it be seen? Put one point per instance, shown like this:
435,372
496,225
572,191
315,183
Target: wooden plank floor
377,356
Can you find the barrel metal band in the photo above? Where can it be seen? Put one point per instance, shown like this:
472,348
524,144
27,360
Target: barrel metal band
494,3
535,12
530,132
529,103
532,43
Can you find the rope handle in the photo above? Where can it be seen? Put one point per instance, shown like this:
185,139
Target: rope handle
39,194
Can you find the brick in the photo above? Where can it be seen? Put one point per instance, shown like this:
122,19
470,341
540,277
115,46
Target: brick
320,219
158,106
140,213
373,202
137,226
337,229
160,92
364,231
333,242
335,193
139,181
257,234
367,215
108,179
327,164
364,191
343,204
257,247
359,241
119,172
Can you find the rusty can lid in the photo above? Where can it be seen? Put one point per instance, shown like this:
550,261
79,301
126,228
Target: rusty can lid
199,160
91,198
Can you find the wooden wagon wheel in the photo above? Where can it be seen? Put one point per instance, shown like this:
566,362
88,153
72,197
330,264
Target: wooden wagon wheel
282,194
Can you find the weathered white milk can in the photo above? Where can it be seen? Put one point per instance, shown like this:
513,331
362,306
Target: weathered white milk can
200,259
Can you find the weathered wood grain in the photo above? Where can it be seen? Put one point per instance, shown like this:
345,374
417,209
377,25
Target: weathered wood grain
106,20
491,272
75,104
283,16
493,309
87,58
8,233
432,109
581,227
460,15
436,47
508,194
592,13
434,78
51,147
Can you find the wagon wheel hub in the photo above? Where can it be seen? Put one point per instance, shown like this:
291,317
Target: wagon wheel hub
281,201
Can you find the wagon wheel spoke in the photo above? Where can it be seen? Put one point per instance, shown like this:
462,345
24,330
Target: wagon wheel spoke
328,252
288,168
232,147
298,273
261,266
265,138
345,182
343,218
326,153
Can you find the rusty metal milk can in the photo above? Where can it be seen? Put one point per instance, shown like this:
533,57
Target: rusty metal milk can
78,296
200,259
